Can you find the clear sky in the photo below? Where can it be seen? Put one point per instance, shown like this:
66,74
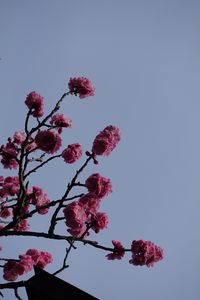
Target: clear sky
144,59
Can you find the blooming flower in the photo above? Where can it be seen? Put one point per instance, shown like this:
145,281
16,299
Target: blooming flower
5,212
106,140
99,221
15,268
48,141
75,218
35,102
22,225
10,187
72,153
19,137
145,253
40,259
98,185
81,86
37,197
60,121
9,155
118,251
90,202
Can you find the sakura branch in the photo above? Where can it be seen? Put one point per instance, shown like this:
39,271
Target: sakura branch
79,214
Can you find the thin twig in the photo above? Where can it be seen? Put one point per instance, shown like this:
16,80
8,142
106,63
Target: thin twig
42,164
16,294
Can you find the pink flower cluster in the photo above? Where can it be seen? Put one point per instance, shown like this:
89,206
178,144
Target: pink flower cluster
145,253
106,140
48,141
72,153
34,102
37,197
118,251
98,185
9,187
9,154
60,121
83,214
81,86
15,268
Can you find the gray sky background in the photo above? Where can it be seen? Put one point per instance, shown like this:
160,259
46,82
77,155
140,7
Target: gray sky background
144,59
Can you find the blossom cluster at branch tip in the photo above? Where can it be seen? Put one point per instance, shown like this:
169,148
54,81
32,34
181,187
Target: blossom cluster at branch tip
72,153
60,121
15,268
81,86
145,253
48,141
106,140
35,103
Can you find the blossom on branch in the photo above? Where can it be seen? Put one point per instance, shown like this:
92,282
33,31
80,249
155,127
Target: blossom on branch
9,154
15,268
98,185
40,259
37,197
99,221
145,253
5,212
61,121
19,137
81,86
34,102
118,251
75,218
91,203
106,140
72,153
9,187
48,141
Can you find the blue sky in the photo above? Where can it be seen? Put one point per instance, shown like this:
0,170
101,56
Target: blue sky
143,57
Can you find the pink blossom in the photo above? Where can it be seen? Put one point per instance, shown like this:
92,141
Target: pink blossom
45,258
19,137
145,253
13,269
106,140
98,185
26,263
9,154
40,259
60,121
5,212
75,218
10,187
22,225
118,251
81,86
72,153
37,197
91,203
34,102
75,214
48,141
99,221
